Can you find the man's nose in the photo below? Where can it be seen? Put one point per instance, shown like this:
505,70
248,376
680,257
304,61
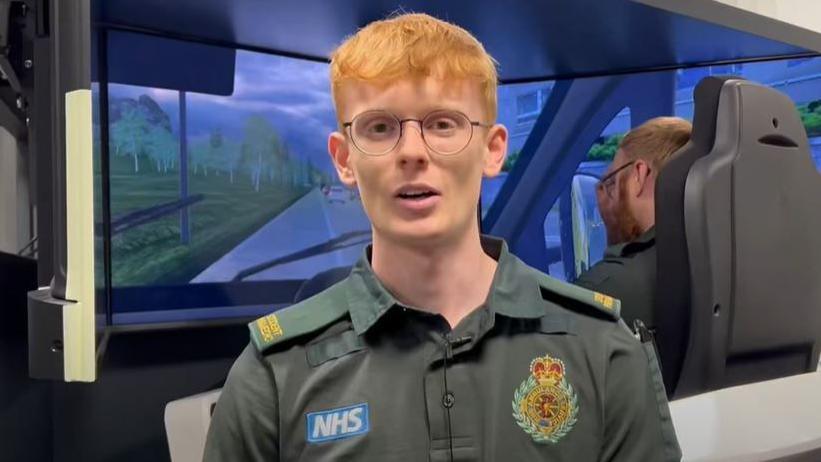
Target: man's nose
412,147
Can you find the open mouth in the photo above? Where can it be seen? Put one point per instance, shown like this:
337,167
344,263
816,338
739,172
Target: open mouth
416,192
416,195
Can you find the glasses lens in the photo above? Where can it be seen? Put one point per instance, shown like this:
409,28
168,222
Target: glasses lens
447,132
375,132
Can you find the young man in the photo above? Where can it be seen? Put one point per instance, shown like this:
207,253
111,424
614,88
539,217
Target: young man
440,345
626,199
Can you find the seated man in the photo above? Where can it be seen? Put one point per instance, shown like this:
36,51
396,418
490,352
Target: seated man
440,345
626,201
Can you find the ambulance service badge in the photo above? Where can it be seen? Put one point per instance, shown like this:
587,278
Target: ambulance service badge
545,405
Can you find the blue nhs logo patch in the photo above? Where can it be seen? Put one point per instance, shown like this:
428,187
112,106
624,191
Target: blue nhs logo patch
338,423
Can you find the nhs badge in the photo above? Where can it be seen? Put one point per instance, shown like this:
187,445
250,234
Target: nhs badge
336,424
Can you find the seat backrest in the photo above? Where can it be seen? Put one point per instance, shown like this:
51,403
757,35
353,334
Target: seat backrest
752,221
672,300
186,425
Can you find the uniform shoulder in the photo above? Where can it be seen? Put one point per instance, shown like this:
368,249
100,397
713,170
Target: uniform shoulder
302,318
579,299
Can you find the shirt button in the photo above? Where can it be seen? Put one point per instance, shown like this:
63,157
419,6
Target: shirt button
448,400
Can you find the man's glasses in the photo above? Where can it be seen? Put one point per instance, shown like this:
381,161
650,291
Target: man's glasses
445,132
608,182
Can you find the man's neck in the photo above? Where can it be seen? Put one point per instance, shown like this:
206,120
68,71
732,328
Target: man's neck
451,280
647,225
646,216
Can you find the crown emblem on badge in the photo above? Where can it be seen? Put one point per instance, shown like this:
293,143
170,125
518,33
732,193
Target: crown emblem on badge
545,405
547,370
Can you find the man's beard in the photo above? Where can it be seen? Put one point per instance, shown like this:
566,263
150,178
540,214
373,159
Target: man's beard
625,227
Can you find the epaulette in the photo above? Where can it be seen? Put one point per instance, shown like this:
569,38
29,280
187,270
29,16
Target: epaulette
604,304
296,320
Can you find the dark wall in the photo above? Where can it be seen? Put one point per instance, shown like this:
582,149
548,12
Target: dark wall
25,404
120,416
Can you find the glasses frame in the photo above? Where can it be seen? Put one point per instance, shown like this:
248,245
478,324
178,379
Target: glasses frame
610,178
421,122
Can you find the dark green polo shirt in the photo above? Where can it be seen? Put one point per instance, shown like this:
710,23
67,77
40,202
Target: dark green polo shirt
540,371
628,272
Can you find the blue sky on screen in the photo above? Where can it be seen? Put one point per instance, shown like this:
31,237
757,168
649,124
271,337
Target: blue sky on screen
294,95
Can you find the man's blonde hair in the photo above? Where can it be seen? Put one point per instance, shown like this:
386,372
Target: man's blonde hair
656,140
413,46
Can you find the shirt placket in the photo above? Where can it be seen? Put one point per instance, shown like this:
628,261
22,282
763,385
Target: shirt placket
451,394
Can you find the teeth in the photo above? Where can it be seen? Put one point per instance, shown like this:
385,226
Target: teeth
416,194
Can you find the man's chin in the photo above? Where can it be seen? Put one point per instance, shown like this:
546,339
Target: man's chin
421,234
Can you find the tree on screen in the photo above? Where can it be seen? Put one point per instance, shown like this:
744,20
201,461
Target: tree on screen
223,153
811,118
162,147
127,135
260,153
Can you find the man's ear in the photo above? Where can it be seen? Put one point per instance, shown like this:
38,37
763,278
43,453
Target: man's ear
341,157
496,143
643,177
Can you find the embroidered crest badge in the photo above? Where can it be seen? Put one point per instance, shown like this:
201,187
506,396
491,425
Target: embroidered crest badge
545,405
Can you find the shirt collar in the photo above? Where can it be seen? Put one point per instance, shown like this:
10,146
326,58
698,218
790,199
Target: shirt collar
515,291
636,245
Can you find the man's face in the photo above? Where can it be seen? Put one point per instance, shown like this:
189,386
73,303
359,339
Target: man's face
411,193
615,200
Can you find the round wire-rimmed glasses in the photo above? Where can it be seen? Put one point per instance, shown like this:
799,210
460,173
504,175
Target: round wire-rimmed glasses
445,132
